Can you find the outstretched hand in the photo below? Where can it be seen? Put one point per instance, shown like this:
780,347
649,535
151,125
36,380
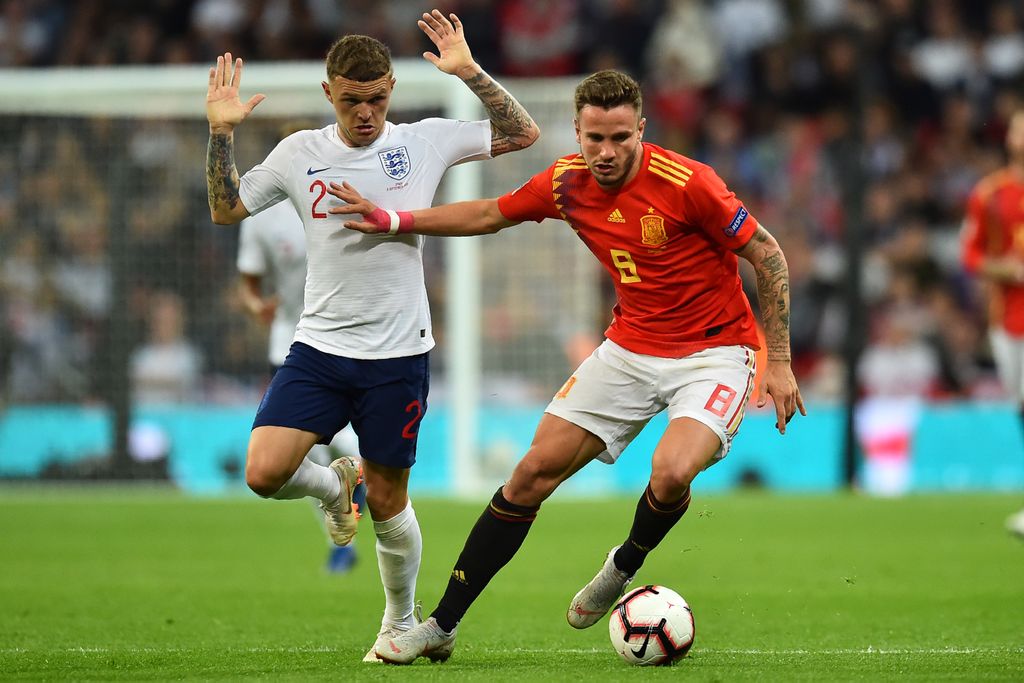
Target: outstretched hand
450,40
779,382
355,203
224,110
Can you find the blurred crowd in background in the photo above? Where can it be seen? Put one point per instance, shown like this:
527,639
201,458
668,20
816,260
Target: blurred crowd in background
763,90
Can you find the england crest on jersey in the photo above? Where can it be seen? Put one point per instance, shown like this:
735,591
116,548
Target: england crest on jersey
395,162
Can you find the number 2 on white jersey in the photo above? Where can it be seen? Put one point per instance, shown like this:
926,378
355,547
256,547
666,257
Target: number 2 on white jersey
323,191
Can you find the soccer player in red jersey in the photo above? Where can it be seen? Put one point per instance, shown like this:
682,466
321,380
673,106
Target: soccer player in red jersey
993,248
668,232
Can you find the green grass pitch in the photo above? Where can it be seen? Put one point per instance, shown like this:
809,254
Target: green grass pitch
148,584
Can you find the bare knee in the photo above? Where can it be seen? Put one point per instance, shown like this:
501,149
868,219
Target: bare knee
670,483
387,490
385,501
263,476
274,454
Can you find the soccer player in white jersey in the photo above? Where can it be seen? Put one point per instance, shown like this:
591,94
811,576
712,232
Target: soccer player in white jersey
272,247
360,349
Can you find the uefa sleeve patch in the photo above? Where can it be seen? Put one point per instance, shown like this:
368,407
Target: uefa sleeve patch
737,223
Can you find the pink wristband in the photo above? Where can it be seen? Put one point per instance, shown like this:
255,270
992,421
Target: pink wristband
391,222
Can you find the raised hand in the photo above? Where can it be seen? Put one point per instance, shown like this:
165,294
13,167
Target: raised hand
448,36
224,110
779,382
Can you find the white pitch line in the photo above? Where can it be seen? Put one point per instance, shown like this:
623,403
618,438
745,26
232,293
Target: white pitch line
560,651
834,651
174,650
873,651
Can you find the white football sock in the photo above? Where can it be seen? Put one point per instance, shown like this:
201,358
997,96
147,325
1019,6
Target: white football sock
321,454
399,546
311,479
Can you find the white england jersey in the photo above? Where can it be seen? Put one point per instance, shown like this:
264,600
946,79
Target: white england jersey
272,246
365,296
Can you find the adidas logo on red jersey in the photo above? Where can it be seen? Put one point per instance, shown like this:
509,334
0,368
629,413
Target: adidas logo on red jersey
616,217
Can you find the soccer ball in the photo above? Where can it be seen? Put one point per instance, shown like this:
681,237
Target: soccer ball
651,625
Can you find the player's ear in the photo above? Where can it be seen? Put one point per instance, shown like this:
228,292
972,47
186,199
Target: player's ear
576,125
327,91
640,129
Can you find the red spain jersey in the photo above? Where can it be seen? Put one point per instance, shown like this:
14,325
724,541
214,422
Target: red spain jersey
666,238
994,227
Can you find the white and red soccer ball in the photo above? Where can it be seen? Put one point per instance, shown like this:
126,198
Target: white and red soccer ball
651,625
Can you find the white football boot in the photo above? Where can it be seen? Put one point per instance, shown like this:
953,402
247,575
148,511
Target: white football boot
597,597
342,515
424,640
389,631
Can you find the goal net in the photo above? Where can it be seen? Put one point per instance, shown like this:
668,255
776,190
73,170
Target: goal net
116,289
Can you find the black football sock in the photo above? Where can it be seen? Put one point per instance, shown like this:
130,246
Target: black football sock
652,521
494,540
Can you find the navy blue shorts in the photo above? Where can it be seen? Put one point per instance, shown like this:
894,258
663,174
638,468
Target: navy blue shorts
319,392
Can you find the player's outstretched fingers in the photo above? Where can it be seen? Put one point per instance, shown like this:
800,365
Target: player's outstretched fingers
236,75
429,30
345,192
442,21
762,394
226,75
218,72
253,101
352,195
780,414
361,226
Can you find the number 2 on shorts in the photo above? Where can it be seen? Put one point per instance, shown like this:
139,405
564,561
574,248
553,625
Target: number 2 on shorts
411,427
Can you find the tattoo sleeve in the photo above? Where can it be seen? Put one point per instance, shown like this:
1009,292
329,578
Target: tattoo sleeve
772,291
221,174
512,127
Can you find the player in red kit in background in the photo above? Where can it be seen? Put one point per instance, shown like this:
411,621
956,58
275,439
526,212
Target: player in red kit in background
994,250
668,232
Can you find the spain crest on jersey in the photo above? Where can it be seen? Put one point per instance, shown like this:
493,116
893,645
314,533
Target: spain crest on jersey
395,162
652,231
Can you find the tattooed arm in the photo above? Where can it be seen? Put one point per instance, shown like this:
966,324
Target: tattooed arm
512,127
769,263
222,180
766,256
224,111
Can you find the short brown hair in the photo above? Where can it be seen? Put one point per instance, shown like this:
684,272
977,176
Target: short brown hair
358,58
608,89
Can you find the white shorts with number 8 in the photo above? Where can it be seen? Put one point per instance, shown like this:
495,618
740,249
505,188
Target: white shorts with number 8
614,393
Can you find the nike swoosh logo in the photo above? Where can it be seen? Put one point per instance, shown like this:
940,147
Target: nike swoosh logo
639,653
312,171
584,612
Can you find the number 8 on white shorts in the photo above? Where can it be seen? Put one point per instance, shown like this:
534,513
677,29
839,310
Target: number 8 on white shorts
615,392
